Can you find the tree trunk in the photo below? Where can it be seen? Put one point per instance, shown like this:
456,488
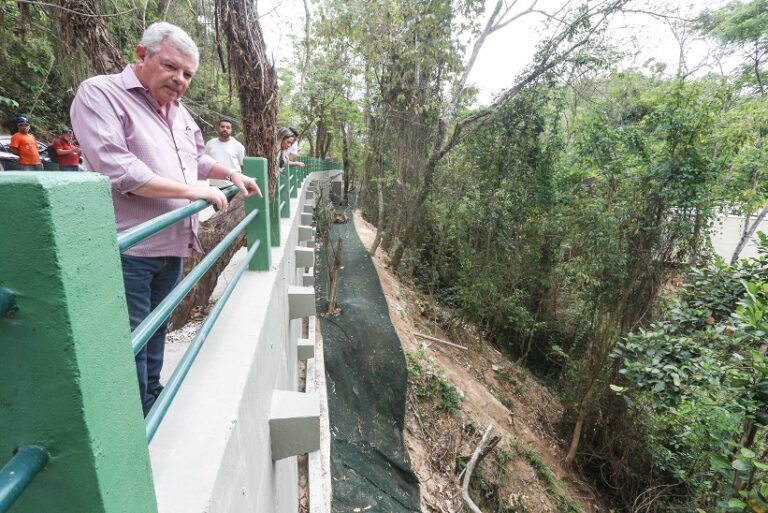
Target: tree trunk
258,105
576,438
379,220
320,139
333,269
307,47
749,231
255,79
346,164
84,32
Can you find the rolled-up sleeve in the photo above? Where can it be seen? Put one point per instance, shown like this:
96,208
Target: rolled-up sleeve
101,134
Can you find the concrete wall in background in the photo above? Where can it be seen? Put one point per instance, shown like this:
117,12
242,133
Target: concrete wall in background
727,232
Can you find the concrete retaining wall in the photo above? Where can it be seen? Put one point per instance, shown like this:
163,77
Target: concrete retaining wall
727,233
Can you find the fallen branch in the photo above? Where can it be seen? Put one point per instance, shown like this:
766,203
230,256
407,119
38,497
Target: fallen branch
476,458
428,337
491,445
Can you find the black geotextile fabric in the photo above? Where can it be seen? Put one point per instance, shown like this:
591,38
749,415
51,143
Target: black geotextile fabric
366,379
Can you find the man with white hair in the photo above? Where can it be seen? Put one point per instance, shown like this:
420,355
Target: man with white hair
132,128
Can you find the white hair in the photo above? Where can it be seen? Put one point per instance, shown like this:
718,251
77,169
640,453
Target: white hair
161,31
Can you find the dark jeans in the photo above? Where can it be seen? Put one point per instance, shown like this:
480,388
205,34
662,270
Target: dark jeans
69,168
30,167
148,280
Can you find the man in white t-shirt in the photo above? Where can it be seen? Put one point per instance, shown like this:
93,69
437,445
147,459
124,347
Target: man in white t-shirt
226,149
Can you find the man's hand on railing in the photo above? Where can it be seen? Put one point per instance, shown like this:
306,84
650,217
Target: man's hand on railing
212,195
246,184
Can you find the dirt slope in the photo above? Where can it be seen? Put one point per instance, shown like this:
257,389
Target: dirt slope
524,473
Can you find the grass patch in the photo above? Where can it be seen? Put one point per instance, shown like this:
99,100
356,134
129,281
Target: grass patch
430,384
554,486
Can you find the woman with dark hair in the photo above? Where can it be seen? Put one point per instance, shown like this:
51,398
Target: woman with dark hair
284,140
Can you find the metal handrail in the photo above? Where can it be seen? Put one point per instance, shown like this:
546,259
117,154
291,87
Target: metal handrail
16,475
164,400
135,234
8,304
149,325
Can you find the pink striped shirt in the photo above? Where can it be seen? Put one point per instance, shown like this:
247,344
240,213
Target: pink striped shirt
124,136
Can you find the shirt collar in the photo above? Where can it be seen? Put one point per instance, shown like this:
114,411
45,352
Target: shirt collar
130,80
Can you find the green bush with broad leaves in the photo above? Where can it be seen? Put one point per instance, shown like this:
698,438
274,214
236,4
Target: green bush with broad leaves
703,371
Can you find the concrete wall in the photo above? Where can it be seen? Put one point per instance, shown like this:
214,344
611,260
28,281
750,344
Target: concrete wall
727,232
212,452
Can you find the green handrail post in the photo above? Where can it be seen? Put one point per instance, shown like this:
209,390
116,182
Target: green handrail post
285,194
294,178
69,374
274,221
301,170
259,230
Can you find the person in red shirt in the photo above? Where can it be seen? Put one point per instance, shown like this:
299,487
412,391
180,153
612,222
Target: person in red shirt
24,145
67,154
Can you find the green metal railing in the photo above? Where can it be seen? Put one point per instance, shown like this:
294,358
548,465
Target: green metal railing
260,221
160,408
159,315
288,186
132,236
313,164
258,251
7,303
16,475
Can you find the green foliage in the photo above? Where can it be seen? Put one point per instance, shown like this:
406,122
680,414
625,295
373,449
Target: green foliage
430,384
742,28
31,84
535,461
556,225
704,371
42,73
553,485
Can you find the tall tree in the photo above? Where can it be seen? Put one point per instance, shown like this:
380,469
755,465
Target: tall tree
256,83
255,78
85,32
742,29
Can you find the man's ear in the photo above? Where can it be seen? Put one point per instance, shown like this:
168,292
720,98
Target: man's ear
141,53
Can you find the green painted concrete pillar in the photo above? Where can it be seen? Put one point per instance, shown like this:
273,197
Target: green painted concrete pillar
274,221
69,378
302,170
259,229
294,180
285,194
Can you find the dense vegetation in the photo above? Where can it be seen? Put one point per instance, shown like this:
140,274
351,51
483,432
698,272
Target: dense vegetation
570,219
42,67
563,220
